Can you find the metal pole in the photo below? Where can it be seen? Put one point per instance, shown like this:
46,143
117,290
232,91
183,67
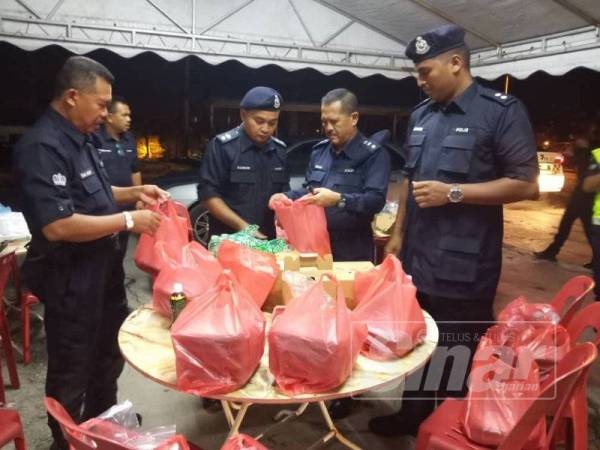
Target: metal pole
186,108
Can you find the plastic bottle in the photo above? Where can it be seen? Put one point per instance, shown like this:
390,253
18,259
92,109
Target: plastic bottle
177,300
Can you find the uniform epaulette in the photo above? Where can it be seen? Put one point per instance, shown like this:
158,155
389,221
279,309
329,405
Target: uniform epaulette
499,97
228,135
318,144
370,145
424,102
279,141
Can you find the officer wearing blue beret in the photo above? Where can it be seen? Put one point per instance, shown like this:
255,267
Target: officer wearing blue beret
348,175
244,166
73,259
469,150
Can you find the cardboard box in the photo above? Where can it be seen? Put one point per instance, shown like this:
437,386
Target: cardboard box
345,271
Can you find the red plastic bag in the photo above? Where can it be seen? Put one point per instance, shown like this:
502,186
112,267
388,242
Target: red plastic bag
502,385
313,344
305,226
194,267
219,339
256,271
174,228
387,304
520,311
242,442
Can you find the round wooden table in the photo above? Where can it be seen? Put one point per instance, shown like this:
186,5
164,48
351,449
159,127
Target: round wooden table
145,343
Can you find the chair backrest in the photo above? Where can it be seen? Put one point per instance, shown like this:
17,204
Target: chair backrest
76,436
586,318
554,396
569,298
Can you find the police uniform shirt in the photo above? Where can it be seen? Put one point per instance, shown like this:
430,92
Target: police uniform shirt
360,171
455,250
245,176
60,174
119,156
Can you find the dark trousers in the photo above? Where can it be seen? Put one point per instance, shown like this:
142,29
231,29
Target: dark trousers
579,207
461,323
595,241
84,309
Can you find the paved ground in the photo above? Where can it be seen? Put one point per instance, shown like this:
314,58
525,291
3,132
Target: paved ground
528,227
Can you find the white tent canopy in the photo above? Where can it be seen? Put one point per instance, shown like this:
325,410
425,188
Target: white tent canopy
365,37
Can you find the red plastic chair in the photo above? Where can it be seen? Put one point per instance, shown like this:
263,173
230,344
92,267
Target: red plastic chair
443,431
569,298
11,429
576,415
6,267
82,439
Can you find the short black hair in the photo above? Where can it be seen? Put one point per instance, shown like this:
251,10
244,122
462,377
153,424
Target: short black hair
80,72
345,97
464,52
113,103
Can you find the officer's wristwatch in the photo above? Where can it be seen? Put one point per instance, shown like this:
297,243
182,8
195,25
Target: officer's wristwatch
341,202
455,195
128,220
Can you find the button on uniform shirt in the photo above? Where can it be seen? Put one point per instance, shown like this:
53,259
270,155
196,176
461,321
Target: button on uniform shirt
60,173
455,250
245,176
119,156
361,172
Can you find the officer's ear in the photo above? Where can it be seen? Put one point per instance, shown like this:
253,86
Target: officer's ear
354,118
243,115
456,63
71,96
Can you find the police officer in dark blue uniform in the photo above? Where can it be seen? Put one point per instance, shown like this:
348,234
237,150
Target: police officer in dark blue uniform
71,210
469,151
244,166
348,175
118,153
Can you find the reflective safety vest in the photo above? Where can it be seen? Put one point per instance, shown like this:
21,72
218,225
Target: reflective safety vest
596,208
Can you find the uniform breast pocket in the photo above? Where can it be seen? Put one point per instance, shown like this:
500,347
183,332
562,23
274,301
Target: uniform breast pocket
93,189
315,178
415,146
243,185
348,182
279,178
455,159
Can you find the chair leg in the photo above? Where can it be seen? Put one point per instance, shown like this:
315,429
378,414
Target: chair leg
8,352
26,324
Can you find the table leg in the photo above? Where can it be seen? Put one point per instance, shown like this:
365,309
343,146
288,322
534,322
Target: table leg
239,417
333,431
228,413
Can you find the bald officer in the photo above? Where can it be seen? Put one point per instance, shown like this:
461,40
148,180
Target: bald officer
244,166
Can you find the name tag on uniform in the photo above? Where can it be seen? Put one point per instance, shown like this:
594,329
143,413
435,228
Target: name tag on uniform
348,170
417,128
278,169
462,130
87,173
318,167
104,150
243,168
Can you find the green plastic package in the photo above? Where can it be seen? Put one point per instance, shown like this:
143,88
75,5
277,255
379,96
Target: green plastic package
246,237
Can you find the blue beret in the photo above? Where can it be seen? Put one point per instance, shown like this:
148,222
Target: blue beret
263,98
435,42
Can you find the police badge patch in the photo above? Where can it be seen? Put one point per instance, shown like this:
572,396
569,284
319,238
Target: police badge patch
421,46
59,179
276,102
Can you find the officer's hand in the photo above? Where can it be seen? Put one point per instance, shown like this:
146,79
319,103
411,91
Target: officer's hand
430,193
393,245
259,235
323,197
151,193
145,221
279,197
140,205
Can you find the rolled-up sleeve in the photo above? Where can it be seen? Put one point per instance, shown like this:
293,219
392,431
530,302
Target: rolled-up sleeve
515,148
377,176
214,172
44,177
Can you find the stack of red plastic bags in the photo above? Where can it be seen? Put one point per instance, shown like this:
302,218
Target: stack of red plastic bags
314,332
387,304
512,360
242,442
218,339
305,225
